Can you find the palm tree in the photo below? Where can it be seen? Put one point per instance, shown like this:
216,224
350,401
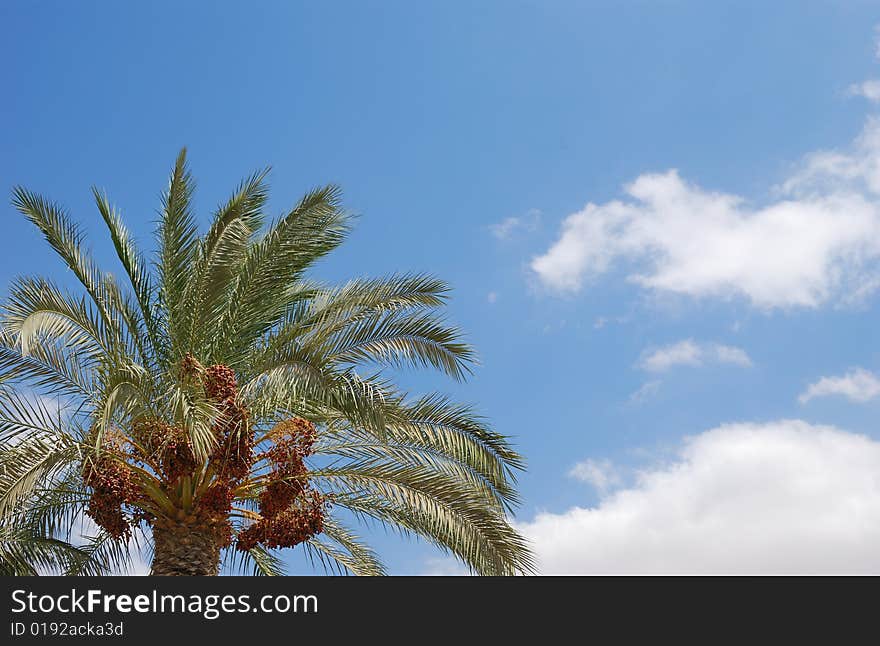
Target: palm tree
224,405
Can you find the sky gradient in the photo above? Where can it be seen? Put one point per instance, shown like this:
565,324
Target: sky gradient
661,222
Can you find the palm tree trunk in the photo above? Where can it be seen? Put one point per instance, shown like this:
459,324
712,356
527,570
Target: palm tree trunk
184,549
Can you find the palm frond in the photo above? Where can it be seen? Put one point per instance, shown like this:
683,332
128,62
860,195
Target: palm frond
25,553
134,265
178,245
344,553
258,561
219,257
48,367
433,413
258,300
63,236
26,465
292,384
401,339
37,309
433,505
419,456
102,554
66,238
330,310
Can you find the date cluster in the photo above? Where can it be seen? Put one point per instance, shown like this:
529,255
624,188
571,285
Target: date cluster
290,510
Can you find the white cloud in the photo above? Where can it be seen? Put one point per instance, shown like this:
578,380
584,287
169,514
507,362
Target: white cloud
492,297
690,353
857,385
783,497
601,474
645,392
819,242
603,321
507,227
854,173
683,353
869,89
448,566
731,354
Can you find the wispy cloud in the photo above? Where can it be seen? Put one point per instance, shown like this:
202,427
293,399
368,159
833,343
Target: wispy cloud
507,227
603,321
869,89
730,354
691,353
645,392
857,385
601,474
448,566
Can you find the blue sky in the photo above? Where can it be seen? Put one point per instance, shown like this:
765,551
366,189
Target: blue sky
470,138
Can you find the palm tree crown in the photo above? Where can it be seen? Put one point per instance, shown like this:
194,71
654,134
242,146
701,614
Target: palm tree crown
223,405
